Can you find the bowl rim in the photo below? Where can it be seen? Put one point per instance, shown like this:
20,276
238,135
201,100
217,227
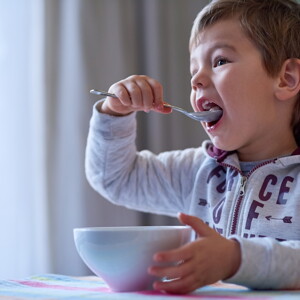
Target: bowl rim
131,228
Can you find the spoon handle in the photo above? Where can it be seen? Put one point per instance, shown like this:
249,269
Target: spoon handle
198,116
103,93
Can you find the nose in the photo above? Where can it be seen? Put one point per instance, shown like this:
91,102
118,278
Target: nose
199,80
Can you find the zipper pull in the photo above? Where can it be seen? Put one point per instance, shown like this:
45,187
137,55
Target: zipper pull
243,184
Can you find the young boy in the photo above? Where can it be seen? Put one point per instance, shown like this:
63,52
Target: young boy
240,191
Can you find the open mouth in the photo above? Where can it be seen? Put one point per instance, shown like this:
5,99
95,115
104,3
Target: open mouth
207,105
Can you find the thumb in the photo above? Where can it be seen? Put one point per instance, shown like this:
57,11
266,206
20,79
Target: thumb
202,229
161,108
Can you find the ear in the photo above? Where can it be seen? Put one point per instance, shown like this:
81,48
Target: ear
288,84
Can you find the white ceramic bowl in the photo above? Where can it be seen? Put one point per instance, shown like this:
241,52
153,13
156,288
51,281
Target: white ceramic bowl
122,255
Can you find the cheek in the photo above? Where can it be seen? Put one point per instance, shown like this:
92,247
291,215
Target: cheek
233,89
227,81
229,94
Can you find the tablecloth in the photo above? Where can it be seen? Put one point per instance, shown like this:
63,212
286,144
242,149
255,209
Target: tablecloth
54,286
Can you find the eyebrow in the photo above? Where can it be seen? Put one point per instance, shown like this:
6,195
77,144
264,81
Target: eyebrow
219,46
222,45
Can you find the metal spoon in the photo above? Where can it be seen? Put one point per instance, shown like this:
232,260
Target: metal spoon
204,116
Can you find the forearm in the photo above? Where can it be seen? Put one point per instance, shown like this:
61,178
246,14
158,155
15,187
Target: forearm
268,264
138,180
108,137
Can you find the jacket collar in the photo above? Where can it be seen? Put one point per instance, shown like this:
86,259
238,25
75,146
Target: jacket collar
297,151
216,153
220,155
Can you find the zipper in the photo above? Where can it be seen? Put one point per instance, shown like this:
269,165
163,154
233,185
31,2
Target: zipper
243,185
238,204
242,190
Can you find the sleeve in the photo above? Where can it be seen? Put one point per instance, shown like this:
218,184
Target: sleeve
268,264
138,180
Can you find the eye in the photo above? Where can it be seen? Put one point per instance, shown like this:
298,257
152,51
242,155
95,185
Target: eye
220,61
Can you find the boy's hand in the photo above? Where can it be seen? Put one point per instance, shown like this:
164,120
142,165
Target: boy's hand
208,259
135,93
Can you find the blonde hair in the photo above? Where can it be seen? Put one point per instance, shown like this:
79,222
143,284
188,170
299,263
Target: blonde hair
272,25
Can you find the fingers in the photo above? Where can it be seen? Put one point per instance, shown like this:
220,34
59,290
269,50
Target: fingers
202,229
194,264
173,271
203,261
181,277
181,268
186,252
182,253
139,93
178,286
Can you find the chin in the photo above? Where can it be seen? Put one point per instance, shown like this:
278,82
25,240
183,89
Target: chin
222,145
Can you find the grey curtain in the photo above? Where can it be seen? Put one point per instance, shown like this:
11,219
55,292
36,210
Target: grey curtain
145,37
62,49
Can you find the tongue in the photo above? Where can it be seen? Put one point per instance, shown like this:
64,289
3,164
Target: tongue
214,108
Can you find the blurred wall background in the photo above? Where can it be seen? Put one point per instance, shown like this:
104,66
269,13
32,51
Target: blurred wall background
51,54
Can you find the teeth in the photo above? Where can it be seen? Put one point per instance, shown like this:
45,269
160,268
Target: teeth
208,105
214,108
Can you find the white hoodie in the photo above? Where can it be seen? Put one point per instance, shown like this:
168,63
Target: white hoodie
260,210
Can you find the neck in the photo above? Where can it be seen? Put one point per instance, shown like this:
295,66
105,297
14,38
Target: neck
283,148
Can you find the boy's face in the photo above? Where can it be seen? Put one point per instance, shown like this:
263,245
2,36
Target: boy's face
227,70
